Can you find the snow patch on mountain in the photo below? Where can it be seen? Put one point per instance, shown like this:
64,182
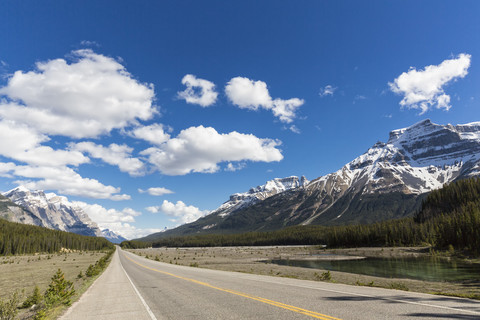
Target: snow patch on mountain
254,195
55,212
415,160
112,236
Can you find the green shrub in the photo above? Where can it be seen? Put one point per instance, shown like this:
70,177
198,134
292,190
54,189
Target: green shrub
91,271
8,308
325,276
34,299
398,286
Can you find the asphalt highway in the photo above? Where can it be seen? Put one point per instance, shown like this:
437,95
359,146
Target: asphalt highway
165,291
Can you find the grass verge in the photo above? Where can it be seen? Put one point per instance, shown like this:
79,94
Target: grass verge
20,274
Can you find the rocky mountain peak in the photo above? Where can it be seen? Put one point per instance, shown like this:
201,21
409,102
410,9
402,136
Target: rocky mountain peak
259,193
386,181
52,211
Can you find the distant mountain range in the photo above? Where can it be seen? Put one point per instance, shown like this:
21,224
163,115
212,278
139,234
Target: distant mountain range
388,181
51,211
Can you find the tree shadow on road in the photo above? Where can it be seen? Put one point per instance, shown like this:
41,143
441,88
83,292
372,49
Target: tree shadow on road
438,301
442,316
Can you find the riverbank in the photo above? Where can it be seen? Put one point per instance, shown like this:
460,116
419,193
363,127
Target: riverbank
252,260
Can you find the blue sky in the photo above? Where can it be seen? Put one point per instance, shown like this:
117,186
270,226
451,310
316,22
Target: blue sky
102,100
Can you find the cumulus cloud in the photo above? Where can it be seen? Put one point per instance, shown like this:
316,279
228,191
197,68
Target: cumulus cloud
129,231
250,94
155,133
85,98
102,215
6,168
285,109
179,212
65,181
159,191
423,89
116,220
198,91
200,149
23,144
328,90
114,154
46,168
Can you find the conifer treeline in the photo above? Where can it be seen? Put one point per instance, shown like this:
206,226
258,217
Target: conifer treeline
17,238
449,216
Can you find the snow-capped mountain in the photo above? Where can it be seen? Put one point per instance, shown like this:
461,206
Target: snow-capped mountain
13,212
51,211
414,161
112,236
387,181
254,195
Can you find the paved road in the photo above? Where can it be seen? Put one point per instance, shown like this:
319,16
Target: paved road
112,296
178,292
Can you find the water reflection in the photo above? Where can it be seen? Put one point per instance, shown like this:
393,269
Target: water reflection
426,268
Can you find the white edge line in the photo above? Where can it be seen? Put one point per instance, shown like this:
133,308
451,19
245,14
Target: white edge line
376,297
150,313
350,293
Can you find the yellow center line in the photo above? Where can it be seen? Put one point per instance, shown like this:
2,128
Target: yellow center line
267,301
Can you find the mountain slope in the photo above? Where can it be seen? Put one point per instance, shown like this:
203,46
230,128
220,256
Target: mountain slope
15,213
112,236
388,181
51,211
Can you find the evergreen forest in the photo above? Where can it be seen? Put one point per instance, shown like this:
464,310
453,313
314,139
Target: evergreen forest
448,217
17,238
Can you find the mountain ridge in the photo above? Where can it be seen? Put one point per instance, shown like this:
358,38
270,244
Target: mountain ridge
387,181
51,211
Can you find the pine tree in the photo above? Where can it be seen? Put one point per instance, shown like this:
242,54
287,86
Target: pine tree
59,290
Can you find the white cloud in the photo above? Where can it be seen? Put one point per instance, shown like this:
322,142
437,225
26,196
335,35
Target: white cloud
327,91
359,97
65,181
294,129
159,191
90,96
250,94
88,43
114,154
21,143
235,167
207,95
6,168
116,220
45,167
102,215
155,133
153,209
180,212
200,149
424,89
285,109
129,231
